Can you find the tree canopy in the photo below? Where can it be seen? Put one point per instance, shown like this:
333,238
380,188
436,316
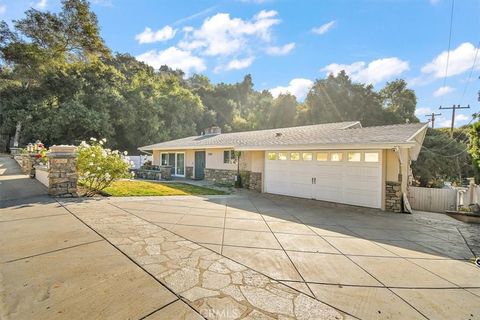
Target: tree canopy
60,83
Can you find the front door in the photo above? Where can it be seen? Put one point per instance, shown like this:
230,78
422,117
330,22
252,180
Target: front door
199,165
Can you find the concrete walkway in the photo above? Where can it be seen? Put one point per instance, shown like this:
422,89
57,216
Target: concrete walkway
90,259
52,266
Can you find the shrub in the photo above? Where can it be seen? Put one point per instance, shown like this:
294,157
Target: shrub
98,167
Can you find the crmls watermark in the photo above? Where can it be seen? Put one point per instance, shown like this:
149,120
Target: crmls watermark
220,314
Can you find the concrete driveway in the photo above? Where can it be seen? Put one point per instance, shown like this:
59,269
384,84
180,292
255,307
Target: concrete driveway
247,255
371,264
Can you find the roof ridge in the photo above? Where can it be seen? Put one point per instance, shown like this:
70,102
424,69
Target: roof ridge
294,127
393,125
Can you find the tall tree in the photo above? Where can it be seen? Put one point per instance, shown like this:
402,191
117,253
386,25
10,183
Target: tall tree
399,101
337,98
43,45
283,111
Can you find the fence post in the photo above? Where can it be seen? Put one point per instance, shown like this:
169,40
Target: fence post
62,174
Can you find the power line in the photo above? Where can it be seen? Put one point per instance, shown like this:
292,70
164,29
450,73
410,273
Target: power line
446,156
449,45
453,108
448,50
432,118
471,72
461,132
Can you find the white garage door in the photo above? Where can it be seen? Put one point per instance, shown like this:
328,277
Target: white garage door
350,177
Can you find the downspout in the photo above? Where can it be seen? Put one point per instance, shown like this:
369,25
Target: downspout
402,162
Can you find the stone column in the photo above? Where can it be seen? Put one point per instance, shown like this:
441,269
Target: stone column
28,160
393,196
62,171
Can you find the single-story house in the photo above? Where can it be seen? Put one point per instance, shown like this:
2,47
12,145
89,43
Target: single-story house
339,162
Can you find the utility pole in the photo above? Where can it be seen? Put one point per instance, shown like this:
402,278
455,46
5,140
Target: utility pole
455,107
432,118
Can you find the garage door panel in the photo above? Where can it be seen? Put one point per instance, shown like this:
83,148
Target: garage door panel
356,183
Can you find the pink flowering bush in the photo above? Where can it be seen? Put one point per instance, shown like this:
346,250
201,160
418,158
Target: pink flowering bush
98,167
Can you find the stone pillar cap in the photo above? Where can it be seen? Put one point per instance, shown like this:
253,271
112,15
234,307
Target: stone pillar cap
63,149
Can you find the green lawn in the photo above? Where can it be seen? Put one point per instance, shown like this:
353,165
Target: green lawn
127,188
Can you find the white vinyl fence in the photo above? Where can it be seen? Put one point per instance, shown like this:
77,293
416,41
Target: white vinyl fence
433,200
138,161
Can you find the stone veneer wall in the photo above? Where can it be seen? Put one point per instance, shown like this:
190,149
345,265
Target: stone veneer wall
189,172
28,160
255,181
220,176
166,172
393,196
62,174
251,180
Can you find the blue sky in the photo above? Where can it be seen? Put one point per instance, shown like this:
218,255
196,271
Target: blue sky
286,45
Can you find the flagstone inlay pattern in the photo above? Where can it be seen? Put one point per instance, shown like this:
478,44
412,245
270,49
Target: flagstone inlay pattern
215,286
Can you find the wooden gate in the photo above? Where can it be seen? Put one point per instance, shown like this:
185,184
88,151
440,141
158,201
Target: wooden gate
431,199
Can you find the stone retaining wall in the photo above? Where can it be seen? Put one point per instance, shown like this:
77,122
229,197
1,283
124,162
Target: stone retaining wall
28,160
393,196
220,176
250,180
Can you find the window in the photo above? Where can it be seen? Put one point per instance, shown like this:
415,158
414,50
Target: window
322,156
164,159
336,156
229,157
354,156
295,156
371,156
282,156
307,156
272,156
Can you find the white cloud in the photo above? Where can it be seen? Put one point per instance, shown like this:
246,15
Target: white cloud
434,2
350,69
423,111
460,60
282,50
3,8
174,58
443,91
299,87
376,71
458,118
41,4
235,64
223,35
324,28
150,36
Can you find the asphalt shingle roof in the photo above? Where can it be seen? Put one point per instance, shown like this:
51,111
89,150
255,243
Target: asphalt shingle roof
348,133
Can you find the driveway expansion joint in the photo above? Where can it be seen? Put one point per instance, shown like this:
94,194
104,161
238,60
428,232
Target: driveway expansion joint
53,251
209,282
